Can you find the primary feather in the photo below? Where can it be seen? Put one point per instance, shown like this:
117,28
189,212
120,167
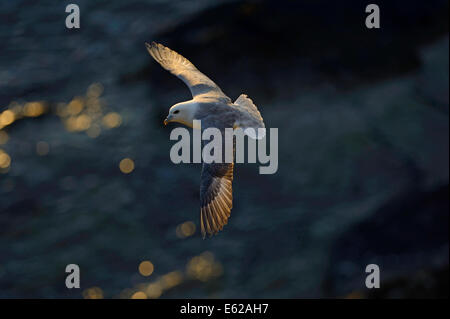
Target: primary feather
198,83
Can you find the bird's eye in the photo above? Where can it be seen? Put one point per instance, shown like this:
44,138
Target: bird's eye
176,112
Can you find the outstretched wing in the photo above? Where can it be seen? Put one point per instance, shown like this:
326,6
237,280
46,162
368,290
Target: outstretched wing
249,117
216,197
198,83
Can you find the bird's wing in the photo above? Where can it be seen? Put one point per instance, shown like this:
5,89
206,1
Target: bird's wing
216,197
198,83
250,116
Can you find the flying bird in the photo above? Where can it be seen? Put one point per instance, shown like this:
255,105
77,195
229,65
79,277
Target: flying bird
214,109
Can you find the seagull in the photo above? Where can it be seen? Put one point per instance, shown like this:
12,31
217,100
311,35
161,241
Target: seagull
214,109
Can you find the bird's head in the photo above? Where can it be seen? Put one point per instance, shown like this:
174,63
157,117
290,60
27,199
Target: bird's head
183,113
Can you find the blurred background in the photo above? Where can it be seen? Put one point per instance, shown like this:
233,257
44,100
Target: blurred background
86,178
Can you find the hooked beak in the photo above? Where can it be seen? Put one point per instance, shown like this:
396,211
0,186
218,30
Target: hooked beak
167,119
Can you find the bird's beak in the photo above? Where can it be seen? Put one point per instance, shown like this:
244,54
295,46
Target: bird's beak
168,119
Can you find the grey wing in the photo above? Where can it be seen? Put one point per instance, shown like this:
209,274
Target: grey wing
198,83
216,197
250,117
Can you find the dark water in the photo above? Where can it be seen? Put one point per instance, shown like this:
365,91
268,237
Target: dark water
363,150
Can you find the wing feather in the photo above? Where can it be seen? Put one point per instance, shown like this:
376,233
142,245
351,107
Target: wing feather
220,214
202,221
198,83
250,117
215,196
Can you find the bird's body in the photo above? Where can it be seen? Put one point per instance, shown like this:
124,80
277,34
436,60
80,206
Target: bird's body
214,109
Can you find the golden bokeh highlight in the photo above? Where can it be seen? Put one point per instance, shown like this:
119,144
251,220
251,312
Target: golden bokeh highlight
75,106
70,124
86,113
33,109
93,293
171,279
5,160
94,107
7,117
204,267
82,122
95,90
146,268
16,111
112,120
81,114
126,165
154,290
185,229
139,295
78,123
